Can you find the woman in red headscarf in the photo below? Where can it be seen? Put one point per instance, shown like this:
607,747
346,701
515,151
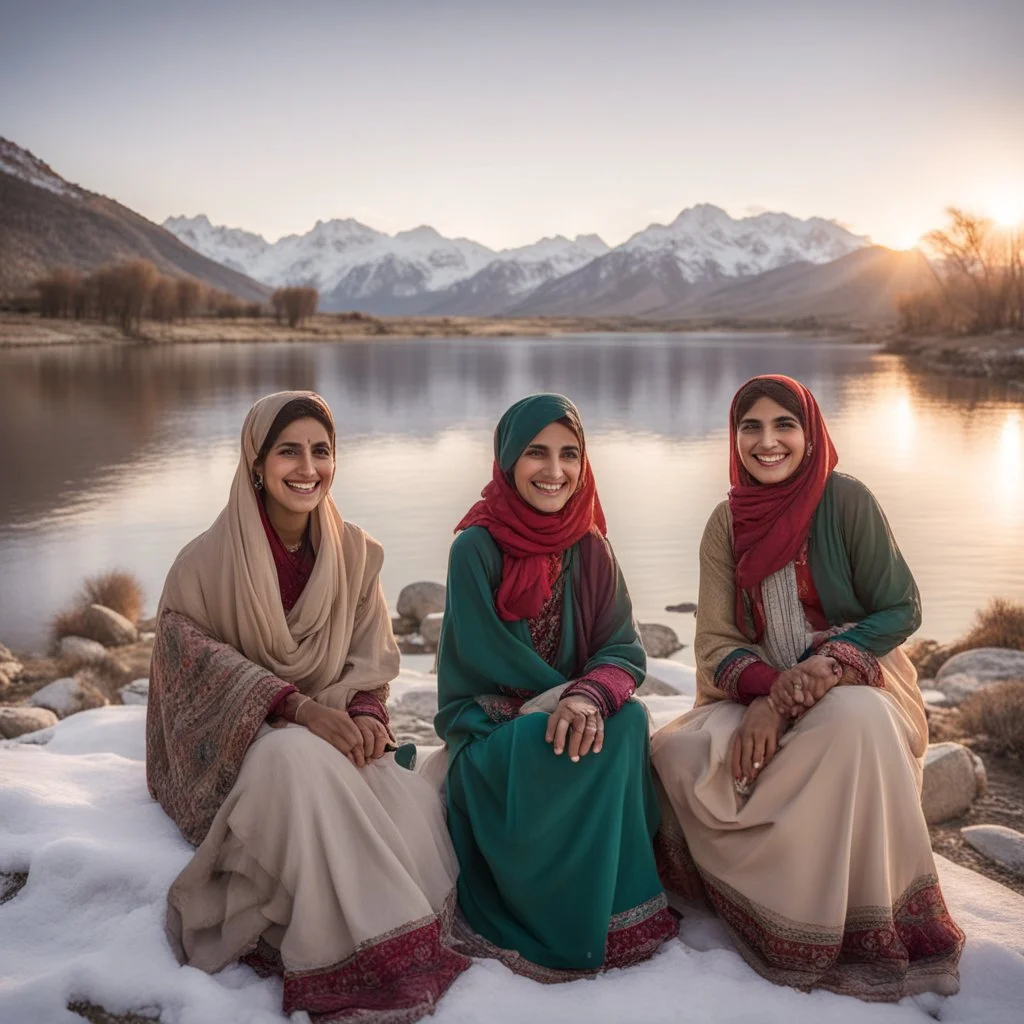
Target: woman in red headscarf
792,790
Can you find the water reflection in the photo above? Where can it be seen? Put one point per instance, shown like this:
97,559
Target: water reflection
119,455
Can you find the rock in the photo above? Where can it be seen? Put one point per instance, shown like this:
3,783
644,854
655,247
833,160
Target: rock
401,626
970,671
110,628
79,648
412,644
412,717
950,782
684,606
1003,845
980,776
430,630
10,667
136,692
17,721
659,641
418,600
68,696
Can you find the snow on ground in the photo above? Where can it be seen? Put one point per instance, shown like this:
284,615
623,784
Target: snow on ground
75,814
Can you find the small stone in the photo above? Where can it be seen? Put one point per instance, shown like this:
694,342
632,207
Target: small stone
79,648
136,692
950,782
659,641
18,721
418,600
68,696
10,667
684,606
110,628
430,630
1003,845
401,626
980,775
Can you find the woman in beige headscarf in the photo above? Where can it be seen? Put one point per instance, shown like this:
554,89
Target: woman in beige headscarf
320,858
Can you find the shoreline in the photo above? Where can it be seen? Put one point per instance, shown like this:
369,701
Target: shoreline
27,330
989,356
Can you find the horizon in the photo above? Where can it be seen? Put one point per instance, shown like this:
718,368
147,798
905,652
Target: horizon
512,123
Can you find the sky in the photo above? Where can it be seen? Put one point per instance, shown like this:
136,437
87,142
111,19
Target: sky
508,121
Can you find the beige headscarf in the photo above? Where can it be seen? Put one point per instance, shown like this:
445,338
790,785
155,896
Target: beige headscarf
338,634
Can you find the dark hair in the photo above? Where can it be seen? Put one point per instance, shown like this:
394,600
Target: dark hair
759,387
296,409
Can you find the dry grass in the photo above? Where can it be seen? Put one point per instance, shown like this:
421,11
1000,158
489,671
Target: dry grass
999,624
117,590
996,713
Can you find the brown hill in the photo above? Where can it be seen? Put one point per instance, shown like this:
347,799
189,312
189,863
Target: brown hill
46,222
860,287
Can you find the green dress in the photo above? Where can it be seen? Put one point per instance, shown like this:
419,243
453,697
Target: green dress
557,868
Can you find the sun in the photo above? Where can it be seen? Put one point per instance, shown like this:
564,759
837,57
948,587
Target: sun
1007,211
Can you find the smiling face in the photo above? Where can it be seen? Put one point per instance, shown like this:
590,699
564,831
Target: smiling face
298,469
770,442
547,472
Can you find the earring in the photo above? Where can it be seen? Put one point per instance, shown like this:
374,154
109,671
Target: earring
257,481
810,449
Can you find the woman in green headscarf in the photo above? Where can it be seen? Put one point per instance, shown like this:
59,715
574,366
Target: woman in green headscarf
551,813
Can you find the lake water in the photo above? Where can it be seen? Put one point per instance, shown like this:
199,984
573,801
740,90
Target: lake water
116,456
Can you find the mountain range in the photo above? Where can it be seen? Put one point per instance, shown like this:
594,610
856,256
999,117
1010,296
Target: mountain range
704,265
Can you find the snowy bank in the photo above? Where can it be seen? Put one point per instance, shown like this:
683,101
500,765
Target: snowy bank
100,854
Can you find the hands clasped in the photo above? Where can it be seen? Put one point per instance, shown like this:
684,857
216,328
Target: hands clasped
802,686
580,719
361,739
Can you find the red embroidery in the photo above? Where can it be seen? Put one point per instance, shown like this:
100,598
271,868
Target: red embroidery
546,628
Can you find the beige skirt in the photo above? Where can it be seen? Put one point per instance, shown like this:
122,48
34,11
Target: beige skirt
824,875
329,875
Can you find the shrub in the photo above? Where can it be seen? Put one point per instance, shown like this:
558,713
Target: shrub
1000,624
118,590
68,623
997,712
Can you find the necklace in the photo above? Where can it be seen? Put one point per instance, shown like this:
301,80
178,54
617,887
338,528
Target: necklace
294,549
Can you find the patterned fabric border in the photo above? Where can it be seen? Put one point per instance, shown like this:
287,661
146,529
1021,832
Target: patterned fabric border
676,868
396,978
546,628
371,704
727,675
881,955
851,656
633,936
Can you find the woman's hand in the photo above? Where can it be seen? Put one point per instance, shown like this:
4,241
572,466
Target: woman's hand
375,734
803,685
336,727
583,717
755,742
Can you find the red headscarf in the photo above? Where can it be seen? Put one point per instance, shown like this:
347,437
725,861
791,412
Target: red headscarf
770,523
527,538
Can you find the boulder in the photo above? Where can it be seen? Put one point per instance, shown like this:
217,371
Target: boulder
78,648
418,600
970,671
110,628
10,667
17,721
950,782
1003,845
136,692
430,630
68,696
401,626
659,641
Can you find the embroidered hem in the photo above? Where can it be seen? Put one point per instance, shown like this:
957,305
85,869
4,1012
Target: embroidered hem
396,978
633,936
881,954
727,676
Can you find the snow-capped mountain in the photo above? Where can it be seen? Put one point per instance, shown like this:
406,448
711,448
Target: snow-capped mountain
515,273
665,263
20,163
352,265
421,271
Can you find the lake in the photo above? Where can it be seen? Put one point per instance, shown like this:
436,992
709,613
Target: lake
116,456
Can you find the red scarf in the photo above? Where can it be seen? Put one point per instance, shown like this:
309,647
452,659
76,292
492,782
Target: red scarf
771,523
293,568
527,538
